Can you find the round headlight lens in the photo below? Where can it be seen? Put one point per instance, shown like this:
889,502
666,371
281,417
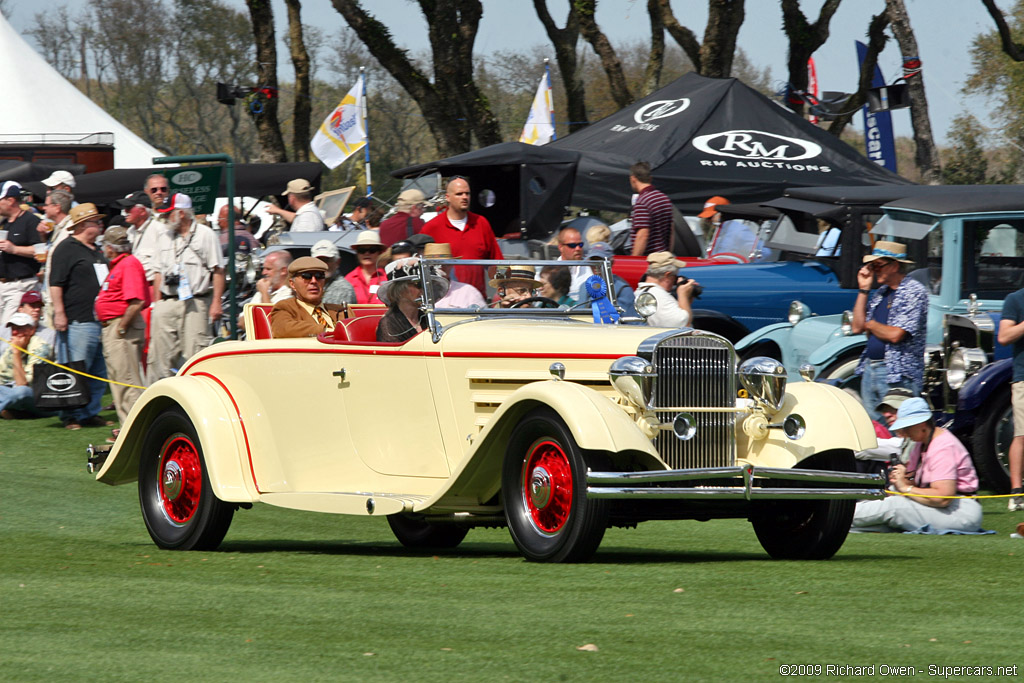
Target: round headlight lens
798,310
846,325
963,364
645,304
764,379
633,377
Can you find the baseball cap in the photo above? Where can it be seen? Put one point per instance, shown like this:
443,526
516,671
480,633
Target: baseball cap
599,250
177,201
134,198
913,411
298,186
31,298
60,178
21,320
895,398
324,249
116,236
663,259
10,188
711,206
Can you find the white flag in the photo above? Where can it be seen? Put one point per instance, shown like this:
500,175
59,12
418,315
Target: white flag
343,132
538,129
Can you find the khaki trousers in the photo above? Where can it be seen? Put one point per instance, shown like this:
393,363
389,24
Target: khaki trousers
178,329
123,356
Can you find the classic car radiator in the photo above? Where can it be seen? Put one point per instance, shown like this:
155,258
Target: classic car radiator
696,371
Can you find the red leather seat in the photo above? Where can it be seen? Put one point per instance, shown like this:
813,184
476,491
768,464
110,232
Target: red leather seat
362,329
261,322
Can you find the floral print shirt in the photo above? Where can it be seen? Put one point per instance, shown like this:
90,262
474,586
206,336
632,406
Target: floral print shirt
909,312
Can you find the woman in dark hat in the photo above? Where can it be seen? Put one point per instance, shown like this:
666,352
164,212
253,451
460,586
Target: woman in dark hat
402,293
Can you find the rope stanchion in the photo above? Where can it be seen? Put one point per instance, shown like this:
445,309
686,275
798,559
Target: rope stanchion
67,369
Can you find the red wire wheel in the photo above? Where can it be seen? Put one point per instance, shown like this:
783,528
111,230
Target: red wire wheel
181,479
547,486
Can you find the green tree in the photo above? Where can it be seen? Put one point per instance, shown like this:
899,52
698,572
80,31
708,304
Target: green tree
966,164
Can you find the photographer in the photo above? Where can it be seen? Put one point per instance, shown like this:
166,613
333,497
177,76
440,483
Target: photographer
672,291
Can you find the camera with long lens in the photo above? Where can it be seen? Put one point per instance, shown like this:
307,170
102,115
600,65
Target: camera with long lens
681,280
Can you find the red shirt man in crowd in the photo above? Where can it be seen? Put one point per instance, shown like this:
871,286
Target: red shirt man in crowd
122,297
651,218
406,222
469,234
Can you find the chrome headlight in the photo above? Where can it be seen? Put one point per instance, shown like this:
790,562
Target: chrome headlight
765,380
798,310
645,304
633,377
963,363
846,326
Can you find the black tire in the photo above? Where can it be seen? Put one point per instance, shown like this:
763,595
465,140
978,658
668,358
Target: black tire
990,442
178,505
807,529
420,534
544,489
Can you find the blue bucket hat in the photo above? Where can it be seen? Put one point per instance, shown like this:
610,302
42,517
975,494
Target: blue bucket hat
913,411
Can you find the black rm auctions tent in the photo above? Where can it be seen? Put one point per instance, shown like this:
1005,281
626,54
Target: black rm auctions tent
710,136
516,187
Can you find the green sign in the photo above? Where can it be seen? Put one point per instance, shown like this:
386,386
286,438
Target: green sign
201,183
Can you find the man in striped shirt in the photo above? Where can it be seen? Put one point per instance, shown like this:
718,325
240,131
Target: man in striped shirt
651,218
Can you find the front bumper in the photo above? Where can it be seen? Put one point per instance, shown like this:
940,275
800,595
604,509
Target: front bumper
739,483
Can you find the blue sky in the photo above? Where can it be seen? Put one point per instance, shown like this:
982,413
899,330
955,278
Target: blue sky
944,30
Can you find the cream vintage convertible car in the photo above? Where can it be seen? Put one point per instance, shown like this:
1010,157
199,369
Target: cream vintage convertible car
557,423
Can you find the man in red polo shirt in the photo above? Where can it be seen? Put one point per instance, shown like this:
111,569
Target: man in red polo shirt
469,234
122,297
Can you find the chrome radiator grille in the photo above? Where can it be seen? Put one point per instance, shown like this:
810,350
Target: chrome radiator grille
696,371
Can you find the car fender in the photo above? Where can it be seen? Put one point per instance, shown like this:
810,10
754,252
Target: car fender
777,332
834,420
982,385
719,323
837,348
216,422
596,423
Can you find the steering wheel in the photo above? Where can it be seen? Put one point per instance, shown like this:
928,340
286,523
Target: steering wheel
548,303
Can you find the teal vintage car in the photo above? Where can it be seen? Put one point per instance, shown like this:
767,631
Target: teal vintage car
964,240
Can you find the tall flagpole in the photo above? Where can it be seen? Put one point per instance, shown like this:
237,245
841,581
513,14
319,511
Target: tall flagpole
366,132
547,72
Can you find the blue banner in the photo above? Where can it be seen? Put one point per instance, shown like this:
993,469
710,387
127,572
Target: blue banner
877,127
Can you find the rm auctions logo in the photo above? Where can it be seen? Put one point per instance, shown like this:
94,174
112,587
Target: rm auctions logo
758,149
651,111
60,381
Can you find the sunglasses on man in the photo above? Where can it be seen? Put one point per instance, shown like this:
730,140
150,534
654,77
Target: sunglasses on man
312,275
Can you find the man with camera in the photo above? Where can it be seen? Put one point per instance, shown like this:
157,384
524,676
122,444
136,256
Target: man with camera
672,291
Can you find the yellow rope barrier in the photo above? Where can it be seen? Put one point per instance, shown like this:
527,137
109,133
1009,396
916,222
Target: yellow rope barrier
64,367
922,495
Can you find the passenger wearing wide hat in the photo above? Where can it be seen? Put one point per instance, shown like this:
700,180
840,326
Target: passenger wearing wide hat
406,220
939,469
339,290
460,295
304,215
895,320
403,294
18,266
672,292
78,268
305,314
515,283
16,367
188,284
366,277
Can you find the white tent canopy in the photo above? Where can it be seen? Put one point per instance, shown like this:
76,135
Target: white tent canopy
44,107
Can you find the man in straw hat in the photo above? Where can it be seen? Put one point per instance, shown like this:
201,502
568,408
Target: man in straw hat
78,268
515,283
406,222
895,320
305,314
460,295
673,292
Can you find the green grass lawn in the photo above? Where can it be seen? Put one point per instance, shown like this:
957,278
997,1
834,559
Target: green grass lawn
293,596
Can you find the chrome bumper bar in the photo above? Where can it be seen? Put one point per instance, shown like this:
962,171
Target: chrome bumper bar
639,484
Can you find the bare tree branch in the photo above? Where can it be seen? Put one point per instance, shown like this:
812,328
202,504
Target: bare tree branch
804,40
303,105
586,10
652,74
876,41
564,41
1013,49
